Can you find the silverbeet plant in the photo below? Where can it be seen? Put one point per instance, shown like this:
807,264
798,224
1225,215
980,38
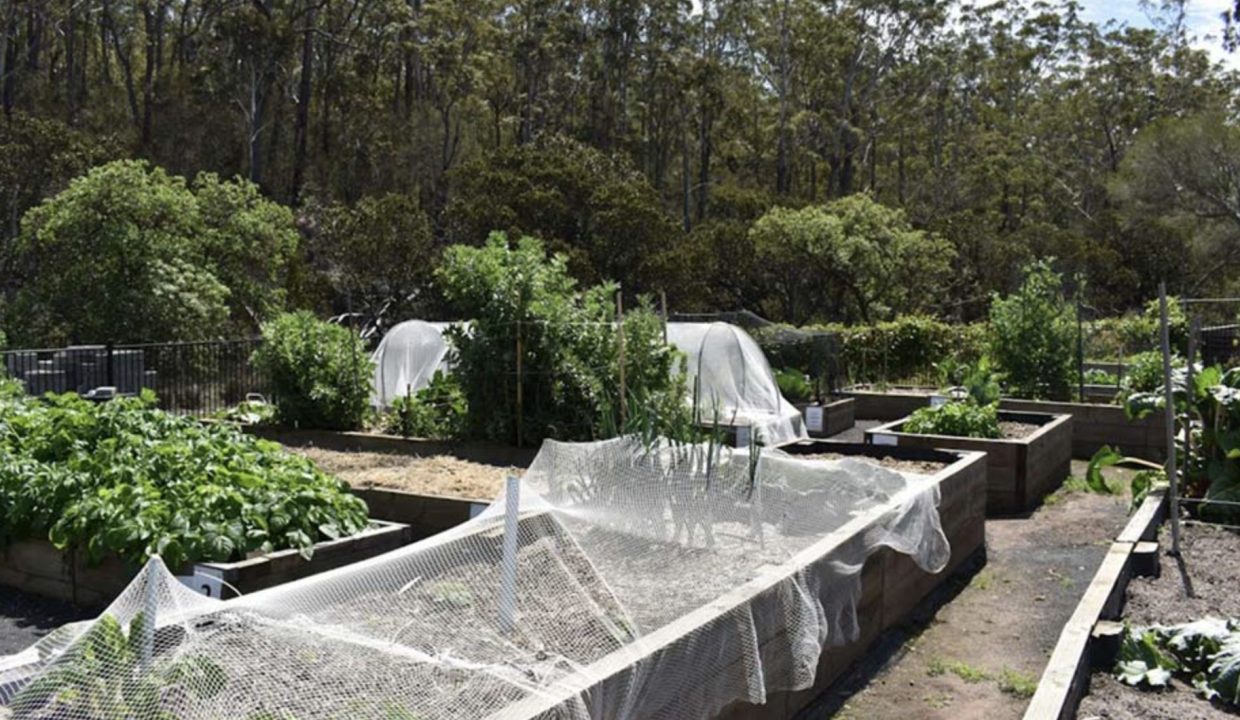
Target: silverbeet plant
124,478
1205,653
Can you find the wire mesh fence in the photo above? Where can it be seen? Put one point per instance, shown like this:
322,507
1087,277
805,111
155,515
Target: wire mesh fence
196,378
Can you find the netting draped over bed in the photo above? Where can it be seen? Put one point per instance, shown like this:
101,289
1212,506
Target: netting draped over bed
406,360
732,383
651,582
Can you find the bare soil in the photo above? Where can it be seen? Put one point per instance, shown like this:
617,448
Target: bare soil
1016,430
427,475
976,648
924,467
1210,557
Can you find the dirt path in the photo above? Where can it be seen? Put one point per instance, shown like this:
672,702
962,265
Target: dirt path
979,656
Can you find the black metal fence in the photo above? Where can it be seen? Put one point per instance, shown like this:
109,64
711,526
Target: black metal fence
1220,345
196,378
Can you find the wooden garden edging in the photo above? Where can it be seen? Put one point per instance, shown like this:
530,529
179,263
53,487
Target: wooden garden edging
1090,638
350,441
833,417
426,515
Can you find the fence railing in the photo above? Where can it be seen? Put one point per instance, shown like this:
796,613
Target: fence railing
196,378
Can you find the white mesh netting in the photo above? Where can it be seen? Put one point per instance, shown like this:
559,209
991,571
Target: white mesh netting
406,360
662,582
732,383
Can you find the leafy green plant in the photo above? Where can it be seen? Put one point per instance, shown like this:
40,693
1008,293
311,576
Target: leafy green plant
1212,405
125,478
1206,653
1150,476
102,676
570,348
320,372
437,411
979,381
1098,376
960,419
1033,336
248,412
793,385
1144,373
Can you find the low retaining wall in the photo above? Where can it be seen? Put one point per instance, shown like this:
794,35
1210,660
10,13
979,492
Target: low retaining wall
1091,638
482,452
426,515
1096,424
1019,471
37,567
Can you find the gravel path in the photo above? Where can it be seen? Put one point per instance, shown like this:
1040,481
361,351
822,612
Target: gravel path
981,642
25,618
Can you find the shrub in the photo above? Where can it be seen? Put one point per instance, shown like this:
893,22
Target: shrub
437,411
793,385
1144,372
908,348
962,419
123,477
1033,336
320,372
570,348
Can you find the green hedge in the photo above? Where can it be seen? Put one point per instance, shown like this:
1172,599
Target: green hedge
905,349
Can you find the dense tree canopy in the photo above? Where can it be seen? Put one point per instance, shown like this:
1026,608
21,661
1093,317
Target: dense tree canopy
641,139
129,253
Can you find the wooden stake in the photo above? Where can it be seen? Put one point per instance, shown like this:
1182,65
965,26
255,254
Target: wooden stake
624,403
520,388
663,305
1169,396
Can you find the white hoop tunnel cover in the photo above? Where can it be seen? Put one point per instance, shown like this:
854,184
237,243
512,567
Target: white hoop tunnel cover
732,384
652,582
407,358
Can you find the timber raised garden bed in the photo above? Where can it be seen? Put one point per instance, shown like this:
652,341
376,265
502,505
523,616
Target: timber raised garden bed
1020,471
1095,423
609,611
834,416
37,567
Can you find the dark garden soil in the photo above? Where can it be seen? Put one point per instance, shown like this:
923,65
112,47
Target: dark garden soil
924,467
1212,564
976,648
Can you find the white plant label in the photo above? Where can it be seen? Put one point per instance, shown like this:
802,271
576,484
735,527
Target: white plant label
938,401
814,418
886,440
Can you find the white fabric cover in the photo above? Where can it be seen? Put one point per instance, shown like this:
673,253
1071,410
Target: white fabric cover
406,360
652,582
732,384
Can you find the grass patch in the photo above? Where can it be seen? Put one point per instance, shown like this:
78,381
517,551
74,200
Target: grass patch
983,580
962,670
1017,683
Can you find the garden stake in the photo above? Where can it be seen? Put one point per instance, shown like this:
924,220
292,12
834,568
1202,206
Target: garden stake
1169,393
508,568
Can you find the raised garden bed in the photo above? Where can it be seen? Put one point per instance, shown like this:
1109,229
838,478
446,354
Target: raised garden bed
889,403
1098,424
830,418
479,452
37,567
1095,424
425,515
1020,471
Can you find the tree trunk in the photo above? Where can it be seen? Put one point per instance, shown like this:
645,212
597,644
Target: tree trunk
305,86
